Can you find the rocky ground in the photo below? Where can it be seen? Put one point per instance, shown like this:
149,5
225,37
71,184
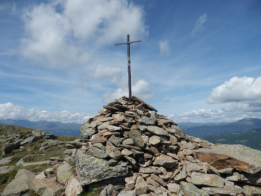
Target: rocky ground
127,149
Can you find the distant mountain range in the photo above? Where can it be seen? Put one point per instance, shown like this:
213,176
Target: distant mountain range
200,130
193,129
250,138
56,128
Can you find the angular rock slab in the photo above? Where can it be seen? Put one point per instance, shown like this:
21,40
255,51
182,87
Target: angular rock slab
191,190
239,157
47,187
73,187
20,184
5,169
64,173
90,169
207,179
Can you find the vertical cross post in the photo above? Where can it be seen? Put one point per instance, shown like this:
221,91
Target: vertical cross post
129,61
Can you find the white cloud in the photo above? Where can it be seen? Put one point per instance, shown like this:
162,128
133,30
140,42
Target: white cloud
199,24
114,75
164,47
223,115
237,90
68,32
10,111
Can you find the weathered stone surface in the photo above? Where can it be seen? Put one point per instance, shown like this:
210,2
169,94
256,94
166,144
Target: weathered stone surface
154,140
127,193
20,184
176,130
6,160
10,146
96,152
64,173
165,161
147,170
228,170
140,187
90,169
113,128
221,191
149,107
191,190
173,187
135,135
239,157
158,131
157,179
207,179
128,141
251,190
126,152
47,187
40,176
30,140
5,169
112,151
73,187
86,130
181,175
115,140
38,133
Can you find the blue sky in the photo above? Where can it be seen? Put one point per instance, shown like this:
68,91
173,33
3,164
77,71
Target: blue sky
198,61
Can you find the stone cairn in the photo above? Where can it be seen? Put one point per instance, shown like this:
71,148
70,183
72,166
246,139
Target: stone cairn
148,151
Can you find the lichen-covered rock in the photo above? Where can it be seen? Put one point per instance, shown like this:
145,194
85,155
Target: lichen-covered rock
191,190
90,169
64,173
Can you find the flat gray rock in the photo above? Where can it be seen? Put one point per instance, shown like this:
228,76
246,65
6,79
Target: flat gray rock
20,184
6,160
90,169
191,190
158,131
6,169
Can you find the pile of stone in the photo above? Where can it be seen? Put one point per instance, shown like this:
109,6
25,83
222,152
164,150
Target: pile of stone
129,142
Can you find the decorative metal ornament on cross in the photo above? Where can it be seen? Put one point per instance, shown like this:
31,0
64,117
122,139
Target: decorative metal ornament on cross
129,61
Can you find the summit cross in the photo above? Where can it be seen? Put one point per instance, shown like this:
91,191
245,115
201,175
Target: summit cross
129,61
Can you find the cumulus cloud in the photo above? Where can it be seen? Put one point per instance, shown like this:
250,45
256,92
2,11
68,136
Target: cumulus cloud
115,76
68,32
237,90
222,115
10,111
199,24
164,47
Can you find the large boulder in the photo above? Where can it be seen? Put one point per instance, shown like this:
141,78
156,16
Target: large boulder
20,184
64,173
91,169
239,157
30,140
11,145
73,187
47,187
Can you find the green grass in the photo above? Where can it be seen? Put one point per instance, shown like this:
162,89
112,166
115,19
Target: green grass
67,138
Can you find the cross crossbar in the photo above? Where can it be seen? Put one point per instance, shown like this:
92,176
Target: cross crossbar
129,62
127,43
